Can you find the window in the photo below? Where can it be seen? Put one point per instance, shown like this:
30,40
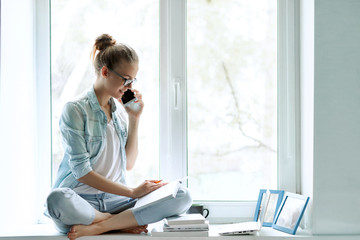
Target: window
132,22
232,98
220,105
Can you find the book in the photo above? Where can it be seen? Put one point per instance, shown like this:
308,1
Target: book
188,227
167,191
158,232
186,219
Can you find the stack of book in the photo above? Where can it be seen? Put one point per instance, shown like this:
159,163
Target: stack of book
186,225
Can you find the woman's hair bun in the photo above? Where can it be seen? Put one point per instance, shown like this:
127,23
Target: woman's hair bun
106,52
104,41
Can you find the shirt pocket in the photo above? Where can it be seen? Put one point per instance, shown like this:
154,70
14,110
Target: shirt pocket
93,144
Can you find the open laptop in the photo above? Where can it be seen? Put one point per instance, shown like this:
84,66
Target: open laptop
244,228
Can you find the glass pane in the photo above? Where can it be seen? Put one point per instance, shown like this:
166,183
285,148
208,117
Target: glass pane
74,27
232,98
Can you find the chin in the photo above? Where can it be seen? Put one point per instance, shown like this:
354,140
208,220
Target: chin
120,93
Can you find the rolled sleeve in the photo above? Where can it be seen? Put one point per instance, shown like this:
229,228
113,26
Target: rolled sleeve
73,136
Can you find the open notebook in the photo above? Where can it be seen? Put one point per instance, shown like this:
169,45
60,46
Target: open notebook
165,192
247,227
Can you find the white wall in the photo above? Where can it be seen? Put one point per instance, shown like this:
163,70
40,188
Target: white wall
17,121
336,117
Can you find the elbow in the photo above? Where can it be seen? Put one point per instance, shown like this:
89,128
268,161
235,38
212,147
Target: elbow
130,161
84,179
129,166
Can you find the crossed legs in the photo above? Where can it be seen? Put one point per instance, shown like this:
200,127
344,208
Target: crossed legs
75,216
122,221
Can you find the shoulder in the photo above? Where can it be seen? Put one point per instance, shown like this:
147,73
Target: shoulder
78,103
76,106
72,107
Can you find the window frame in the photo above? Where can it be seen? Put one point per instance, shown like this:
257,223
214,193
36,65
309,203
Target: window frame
289,95
173,102
173,85
42,46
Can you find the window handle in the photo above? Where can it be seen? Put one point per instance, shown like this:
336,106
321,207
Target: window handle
176,94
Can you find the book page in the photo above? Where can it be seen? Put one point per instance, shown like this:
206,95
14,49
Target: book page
165,192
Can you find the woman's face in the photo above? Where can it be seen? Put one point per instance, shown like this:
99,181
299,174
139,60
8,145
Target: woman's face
114,84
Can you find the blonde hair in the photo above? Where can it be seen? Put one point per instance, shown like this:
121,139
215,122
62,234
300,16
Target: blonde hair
106,52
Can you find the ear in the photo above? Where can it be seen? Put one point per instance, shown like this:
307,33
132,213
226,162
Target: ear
104,71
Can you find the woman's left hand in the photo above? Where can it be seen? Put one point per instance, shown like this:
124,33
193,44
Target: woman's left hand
136,112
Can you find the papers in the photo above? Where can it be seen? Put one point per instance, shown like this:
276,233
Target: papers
185,219
186,225
165,192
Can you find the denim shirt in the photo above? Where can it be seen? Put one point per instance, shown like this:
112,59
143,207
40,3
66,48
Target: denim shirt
83,130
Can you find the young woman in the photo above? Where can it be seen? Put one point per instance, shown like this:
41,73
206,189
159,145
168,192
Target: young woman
100,138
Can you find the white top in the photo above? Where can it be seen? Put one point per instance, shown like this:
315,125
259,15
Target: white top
109,162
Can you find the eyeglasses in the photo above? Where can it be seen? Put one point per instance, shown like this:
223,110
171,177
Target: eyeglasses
126,81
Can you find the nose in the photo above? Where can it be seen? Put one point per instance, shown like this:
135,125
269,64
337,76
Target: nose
129,86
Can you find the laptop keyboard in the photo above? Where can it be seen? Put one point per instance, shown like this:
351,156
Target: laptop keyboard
244,226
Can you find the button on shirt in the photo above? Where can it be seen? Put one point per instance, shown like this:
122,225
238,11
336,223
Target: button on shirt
83,129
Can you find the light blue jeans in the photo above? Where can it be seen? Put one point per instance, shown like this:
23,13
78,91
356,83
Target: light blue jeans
66,207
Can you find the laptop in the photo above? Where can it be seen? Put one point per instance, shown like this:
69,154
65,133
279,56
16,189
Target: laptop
245,228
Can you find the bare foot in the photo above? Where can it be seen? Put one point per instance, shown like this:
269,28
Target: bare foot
77,231
124,220
136,230
100,216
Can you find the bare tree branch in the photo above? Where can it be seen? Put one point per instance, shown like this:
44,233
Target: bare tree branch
224,153
233,93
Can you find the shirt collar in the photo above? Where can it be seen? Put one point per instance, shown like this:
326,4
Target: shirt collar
112,104
94,103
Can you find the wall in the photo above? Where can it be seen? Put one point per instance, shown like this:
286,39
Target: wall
17,121
336,117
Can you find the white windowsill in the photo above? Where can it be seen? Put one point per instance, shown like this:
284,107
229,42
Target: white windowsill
47,231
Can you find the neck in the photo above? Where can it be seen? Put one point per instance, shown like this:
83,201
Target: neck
101,95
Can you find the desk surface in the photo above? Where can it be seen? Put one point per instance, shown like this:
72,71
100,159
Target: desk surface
47,231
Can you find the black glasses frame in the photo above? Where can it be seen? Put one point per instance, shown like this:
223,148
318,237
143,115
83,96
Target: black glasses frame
126,81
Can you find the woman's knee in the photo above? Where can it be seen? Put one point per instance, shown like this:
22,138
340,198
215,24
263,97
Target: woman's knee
58,196
69,208
60,199
184,199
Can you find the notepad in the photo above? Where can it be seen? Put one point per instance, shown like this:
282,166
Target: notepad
167,191
194,218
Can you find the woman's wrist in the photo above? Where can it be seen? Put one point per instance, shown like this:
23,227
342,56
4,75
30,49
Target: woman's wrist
134,119
130,193
133,123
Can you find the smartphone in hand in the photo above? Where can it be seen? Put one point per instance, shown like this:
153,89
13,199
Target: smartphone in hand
128,97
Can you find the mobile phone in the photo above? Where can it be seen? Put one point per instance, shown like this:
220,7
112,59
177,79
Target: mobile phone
128,97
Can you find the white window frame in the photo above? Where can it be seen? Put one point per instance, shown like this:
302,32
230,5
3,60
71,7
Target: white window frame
43,103
289,95
173,102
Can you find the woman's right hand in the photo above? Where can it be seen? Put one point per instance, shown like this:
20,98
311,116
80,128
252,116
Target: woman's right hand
145,188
